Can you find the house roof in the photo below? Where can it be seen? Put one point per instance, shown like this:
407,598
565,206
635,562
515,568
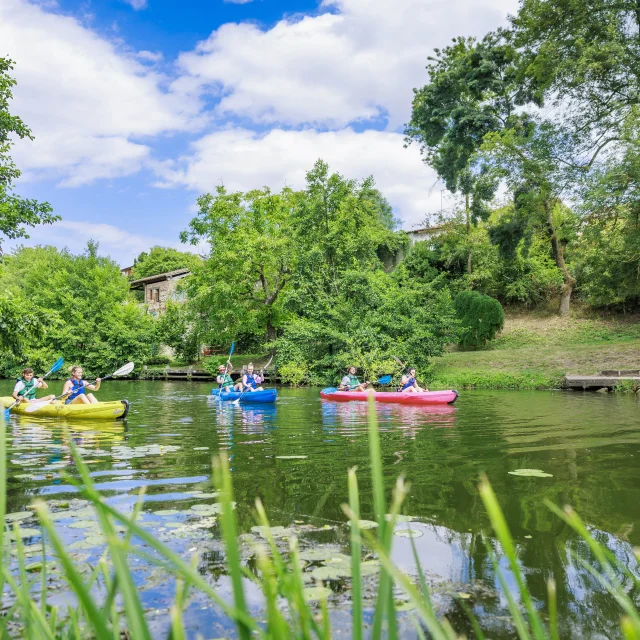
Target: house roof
159,277
424,231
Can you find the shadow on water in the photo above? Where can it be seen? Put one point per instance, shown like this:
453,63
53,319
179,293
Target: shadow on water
294,456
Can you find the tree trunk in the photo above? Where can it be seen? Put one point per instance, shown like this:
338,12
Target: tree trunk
468,214
271,330
558,253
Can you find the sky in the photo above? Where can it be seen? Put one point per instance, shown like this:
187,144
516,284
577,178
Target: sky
139,106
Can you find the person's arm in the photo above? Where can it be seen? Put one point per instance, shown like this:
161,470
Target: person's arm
244,380
16,390
41,384
66,390
95,386
229,366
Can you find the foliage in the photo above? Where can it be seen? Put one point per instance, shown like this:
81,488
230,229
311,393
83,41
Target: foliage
16,213
481,317
162,260
293,373
177,330
155,360
85,301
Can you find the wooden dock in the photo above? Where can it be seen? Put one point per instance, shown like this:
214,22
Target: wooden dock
609,379
198,375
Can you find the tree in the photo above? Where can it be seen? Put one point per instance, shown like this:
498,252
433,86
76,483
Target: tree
162,260
472,91
481,317
237,289
16,213
90,318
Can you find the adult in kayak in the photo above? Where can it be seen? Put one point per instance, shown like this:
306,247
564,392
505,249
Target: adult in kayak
224,379
410,384
76,388
350,382
251,381
26,386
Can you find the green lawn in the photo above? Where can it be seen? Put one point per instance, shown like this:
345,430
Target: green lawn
536,351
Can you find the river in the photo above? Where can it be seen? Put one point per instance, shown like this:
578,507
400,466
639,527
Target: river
589,443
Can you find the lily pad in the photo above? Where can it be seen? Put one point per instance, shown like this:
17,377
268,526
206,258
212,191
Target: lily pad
207,509
463,595
18,515
366,524
404,606
166,512
276,532
316,593
331,572
531,473
409,533
83,524
25,532
319,554
292,457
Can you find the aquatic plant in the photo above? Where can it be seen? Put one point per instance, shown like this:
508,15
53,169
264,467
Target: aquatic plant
109,605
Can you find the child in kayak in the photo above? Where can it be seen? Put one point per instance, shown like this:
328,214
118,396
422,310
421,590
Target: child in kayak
351,383
251,381
75,389
224,380
410,384
26,385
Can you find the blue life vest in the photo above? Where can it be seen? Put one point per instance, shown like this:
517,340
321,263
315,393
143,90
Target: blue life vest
76,390
409,383
251,381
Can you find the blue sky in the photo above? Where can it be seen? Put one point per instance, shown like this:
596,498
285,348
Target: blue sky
138,106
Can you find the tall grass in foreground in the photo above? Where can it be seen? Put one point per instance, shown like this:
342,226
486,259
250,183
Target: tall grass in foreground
109,606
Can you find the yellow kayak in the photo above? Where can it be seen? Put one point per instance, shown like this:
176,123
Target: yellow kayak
116,410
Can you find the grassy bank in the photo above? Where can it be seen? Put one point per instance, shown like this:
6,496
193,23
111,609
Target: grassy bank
535,351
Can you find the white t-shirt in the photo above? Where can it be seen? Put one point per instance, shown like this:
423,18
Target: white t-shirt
20,386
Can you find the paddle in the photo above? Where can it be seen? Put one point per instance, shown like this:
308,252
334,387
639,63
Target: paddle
59,363
226,367
402,364
237,400
122,371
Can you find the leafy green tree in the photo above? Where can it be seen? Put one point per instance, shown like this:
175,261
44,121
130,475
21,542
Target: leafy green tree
237,289
162,260
178,330
16,213
481,317
90,317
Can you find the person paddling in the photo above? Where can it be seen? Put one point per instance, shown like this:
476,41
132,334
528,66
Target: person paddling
251,381
75,388
26,386
224,379
409,383
350,382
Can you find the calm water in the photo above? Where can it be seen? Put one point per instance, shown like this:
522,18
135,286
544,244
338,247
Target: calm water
589,442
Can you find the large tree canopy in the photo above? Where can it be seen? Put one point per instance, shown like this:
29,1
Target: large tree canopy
162,260
16,213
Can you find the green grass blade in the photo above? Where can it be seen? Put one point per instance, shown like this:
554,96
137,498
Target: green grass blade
501,530
356,554
553,609
3,495
222,481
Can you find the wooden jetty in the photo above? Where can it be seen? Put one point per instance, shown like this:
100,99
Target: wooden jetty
198,375
608,379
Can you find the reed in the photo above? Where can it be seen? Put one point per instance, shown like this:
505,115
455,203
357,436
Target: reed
109,607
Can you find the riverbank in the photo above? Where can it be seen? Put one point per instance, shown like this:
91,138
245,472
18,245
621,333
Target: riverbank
536,351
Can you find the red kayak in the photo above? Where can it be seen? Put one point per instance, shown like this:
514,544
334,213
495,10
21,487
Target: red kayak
423,398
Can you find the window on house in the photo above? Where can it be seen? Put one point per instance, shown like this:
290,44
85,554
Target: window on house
156,295
150,295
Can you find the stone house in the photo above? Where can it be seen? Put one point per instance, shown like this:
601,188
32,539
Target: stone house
160,289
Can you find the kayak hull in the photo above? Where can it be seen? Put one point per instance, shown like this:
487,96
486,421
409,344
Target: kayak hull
422,398
266,397
116,410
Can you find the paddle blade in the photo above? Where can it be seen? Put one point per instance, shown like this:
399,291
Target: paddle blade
59,363
384,380
7,413
233,346
34,406
402,364
124,371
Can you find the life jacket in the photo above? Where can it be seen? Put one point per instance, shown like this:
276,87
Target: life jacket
227,381
409,383
77,389
251,380
354,383
29,390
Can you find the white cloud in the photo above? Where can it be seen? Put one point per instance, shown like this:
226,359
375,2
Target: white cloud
118,243
92,107
357,63
150,56
242,160
137,5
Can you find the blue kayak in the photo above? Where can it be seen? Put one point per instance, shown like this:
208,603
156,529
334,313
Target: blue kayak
268,395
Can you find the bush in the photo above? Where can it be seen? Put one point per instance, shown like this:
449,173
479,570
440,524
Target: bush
480,316
158,360
293,373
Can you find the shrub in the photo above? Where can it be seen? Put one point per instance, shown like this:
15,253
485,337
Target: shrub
158,360
293,373
480,316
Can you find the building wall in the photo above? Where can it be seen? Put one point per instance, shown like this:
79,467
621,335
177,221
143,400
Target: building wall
157,295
